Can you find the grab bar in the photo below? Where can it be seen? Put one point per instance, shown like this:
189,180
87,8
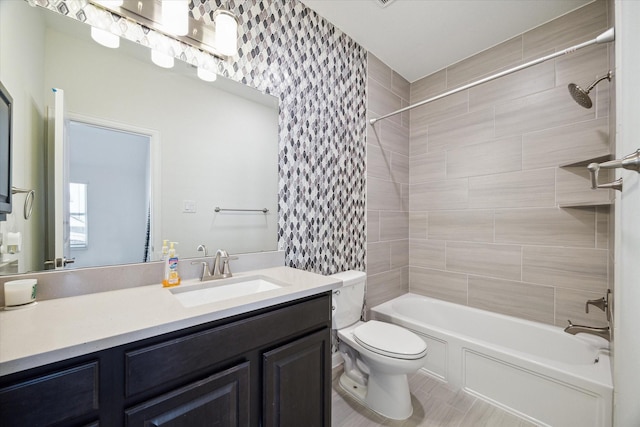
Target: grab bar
263,210
28,201
629,162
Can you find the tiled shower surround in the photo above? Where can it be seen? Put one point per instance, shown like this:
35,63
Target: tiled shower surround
484,220
319,75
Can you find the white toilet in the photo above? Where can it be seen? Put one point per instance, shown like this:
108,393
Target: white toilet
377,355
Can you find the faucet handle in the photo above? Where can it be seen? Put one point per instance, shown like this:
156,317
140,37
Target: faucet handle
601,303
202,248
226,270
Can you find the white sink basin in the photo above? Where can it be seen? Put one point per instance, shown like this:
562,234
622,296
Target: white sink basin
223,289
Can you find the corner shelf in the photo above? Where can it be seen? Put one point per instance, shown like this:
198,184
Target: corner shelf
573,185
584,204
598,159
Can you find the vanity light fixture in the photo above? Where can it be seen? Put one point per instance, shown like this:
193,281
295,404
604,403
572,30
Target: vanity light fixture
161,59
175,16
226,32
206,75
111,3
105,38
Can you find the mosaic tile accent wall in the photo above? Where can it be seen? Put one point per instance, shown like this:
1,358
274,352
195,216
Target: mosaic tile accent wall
319,75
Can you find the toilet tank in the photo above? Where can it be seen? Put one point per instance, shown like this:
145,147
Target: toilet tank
348,300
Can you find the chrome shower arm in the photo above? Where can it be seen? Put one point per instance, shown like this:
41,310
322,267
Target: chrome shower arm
608,76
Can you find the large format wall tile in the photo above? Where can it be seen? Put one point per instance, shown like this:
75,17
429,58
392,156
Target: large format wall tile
438,284
559,227
428,167
449,194
394,225
378,257
387,285
485,158
417,225
388,177
463,130
573,186
570,305
380,100
463,225
427,253
502,261
575,268
519,299
505,55
581,25
566,144
542,110
384,195
522,83
513,190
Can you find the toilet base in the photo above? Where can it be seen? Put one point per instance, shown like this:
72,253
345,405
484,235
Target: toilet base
375,395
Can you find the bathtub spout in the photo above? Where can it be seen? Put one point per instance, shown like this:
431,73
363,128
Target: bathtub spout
603,332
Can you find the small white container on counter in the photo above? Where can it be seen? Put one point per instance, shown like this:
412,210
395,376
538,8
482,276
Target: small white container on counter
18,293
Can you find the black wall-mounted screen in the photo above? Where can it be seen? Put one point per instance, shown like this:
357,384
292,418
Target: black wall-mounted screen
6,106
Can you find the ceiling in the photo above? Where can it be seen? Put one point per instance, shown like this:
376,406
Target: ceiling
419,37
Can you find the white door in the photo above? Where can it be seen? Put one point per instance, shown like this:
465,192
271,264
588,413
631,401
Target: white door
626,350
58,248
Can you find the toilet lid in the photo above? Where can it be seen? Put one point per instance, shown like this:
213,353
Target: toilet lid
390,340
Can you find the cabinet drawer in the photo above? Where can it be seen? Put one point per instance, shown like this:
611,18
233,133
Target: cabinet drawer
185,356
220,400
52,398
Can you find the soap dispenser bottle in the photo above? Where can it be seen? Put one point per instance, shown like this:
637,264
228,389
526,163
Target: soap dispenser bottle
165,250
171,276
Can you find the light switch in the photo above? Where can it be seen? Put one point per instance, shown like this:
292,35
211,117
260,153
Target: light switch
189,206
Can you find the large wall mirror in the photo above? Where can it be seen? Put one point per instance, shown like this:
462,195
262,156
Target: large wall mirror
146,153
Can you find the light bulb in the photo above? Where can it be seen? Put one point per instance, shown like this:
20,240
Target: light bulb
111,3
175,16
161,59
105,38
226,33
206,75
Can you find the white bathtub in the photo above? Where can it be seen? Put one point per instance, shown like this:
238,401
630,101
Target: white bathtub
530,369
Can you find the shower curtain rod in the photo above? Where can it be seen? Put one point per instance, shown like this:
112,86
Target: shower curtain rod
606,37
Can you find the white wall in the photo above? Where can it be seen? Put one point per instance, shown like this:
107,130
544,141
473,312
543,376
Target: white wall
627,239
21,71
203,132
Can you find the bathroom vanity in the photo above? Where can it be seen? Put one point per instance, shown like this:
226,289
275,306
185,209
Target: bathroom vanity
267,364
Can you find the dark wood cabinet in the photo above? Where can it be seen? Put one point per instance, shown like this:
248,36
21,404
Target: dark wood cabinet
296,389
269,367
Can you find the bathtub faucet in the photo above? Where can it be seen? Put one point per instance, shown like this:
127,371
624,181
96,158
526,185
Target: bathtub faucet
603,332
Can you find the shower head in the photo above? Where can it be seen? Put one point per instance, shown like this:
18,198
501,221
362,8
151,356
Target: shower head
581,96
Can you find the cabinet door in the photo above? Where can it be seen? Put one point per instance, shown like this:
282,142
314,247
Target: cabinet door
219,400
297,383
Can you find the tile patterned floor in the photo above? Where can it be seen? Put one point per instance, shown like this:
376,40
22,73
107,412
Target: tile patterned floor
433,405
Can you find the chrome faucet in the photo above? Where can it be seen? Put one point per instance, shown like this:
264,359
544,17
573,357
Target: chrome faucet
603,332
221,269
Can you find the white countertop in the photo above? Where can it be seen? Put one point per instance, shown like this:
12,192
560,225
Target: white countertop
59,329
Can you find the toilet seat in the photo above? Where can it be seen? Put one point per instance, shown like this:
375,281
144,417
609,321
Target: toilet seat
389,340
